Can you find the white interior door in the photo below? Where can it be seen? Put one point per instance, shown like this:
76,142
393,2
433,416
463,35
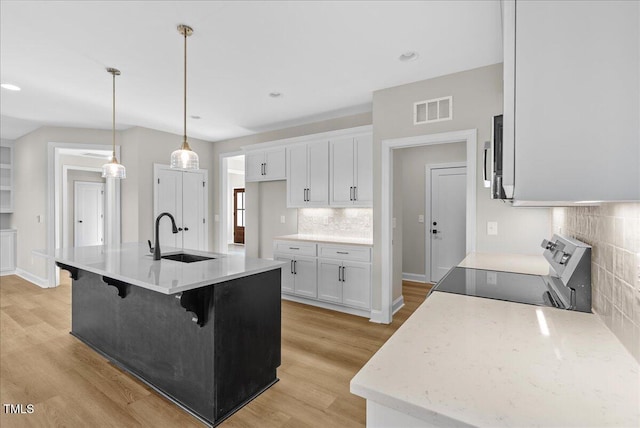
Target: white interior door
168,198
88,213
448,219
193,221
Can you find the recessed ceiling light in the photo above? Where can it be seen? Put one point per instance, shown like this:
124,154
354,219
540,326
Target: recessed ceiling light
408,56
193,116
10,87
275,94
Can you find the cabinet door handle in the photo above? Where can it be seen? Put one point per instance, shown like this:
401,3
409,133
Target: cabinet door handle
294,248
342,252
291,267
295,267
343,276
351,193
265,168
355,193
339,273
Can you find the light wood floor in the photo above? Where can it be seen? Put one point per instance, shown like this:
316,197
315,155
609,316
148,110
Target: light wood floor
72,386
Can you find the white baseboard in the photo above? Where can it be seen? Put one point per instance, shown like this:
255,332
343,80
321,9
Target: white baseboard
397,304
376,317
327,305
8,272
34,279
414,277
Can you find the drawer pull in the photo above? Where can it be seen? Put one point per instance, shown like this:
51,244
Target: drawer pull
294,248
342,252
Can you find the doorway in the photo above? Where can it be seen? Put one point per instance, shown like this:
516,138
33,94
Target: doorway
61,159
88,213
383,257
446,187
232,224
238,216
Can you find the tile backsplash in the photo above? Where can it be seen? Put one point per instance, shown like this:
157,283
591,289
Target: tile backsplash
342,222
613,231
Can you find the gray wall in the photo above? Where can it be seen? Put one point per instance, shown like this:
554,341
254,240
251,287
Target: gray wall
140,149
273,204
411,163
477,96
258,234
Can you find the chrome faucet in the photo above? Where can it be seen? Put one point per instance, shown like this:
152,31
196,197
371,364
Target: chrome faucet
156,249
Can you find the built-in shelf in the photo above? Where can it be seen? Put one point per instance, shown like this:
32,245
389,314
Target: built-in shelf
6,177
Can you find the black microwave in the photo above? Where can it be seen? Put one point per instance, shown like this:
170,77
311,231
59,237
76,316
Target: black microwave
497,189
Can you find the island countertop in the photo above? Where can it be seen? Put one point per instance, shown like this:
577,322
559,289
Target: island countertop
132,263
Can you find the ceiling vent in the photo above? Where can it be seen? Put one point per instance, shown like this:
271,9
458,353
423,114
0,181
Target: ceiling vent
435,110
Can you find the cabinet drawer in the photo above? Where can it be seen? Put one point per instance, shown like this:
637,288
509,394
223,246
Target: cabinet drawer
295,247
360,254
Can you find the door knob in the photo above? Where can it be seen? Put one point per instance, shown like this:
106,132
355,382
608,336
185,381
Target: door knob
435,231
186,229
79,221
435,223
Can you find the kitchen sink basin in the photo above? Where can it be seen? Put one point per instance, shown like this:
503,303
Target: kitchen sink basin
186,258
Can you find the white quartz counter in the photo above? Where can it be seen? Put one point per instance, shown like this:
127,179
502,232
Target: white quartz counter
326,239
532,265
462,360
132,263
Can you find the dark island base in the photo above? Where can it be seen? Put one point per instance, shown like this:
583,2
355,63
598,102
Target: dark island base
211,358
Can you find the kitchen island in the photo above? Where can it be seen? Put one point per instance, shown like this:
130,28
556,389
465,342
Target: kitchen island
206,334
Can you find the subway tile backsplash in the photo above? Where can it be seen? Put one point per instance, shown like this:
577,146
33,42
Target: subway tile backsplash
613,230
342,222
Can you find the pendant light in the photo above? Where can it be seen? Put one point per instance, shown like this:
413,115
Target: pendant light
113,169
184,157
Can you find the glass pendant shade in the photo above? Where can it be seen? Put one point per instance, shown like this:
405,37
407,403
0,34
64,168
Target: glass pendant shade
184,158
113,170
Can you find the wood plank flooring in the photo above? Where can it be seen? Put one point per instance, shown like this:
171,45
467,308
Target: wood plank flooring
72,386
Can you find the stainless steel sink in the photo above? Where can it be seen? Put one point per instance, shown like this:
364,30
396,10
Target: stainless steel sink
186,258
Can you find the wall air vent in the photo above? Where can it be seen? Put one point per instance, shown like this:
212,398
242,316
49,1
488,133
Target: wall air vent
435,110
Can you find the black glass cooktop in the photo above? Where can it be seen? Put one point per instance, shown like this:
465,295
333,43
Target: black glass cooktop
512,287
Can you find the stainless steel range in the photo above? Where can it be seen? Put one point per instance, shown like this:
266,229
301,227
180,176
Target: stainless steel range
567,286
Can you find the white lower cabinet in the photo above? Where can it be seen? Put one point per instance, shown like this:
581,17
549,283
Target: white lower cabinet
348,283
339,279
299,275
329,274
7,251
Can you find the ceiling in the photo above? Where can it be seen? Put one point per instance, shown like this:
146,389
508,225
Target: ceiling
325,57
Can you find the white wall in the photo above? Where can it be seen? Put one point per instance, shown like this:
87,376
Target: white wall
258,234
477,97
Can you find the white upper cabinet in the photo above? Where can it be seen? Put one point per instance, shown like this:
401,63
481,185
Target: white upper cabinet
571,112
351,172
307,175
265,165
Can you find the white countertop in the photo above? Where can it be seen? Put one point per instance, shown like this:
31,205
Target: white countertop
326,239
483,362
132,263
532,265
467,360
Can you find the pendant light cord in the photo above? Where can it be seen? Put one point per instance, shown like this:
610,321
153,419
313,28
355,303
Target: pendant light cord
185,89
113,126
